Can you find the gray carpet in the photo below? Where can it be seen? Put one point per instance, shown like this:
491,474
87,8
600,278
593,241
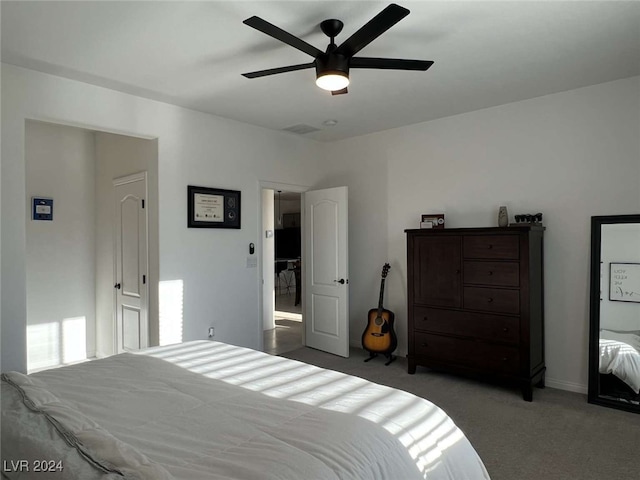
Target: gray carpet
557,436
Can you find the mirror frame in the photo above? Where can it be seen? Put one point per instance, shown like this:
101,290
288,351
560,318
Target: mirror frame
594,332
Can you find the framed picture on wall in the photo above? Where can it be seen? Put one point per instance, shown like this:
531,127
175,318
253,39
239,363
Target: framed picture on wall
212,207
624,282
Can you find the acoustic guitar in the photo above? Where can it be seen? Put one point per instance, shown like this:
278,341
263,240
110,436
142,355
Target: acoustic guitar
379,336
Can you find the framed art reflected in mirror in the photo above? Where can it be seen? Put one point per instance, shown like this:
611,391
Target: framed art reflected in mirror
614,349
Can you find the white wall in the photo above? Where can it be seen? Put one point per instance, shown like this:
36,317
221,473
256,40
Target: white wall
361,164
569,155
118,156
193,148
60,267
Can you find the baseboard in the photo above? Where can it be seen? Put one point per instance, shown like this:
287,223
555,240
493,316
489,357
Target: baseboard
564,385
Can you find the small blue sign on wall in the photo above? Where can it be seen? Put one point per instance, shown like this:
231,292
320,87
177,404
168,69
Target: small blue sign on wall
42,208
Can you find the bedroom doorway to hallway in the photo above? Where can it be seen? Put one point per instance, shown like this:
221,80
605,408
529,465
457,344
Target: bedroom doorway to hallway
282,266
322,267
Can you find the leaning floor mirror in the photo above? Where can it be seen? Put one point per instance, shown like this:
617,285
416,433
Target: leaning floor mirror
614,351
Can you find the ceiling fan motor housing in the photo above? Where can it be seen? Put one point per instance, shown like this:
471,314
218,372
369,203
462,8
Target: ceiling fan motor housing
332,63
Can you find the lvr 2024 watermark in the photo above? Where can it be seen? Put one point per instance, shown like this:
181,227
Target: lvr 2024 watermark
36,466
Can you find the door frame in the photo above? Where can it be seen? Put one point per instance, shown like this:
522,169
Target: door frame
264,184
135,177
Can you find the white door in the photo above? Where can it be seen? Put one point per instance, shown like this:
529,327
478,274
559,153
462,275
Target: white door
326,270
132,329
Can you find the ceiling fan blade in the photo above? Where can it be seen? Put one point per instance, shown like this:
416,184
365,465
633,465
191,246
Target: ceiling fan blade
340,92
389,63
375,27
273,71
279,34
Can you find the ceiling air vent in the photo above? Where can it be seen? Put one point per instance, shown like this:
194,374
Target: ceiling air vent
301,129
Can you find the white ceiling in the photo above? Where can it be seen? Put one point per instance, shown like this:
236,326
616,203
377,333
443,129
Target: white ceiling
192,54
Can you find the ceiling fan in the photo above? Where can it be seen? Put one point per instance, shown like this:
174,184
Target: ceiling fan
332,66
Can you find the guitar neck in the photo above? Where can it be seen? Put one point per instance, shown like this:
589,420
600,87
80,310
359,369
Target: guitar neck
381,296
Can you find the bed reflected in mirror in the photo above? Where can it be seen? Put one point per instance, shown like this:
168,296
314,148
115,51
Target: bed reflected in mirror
614,353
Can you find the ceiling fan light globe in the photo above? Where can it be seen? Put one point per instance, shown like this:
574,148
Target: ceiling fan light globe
332,81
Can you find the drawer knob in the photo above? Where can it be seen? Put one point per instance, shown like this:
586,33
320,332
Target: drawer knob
505,329
490,246
490,273
490,300
424,344
504,359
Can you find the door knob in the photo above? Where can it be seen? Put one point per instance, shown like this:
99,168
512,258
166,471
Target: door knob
341,281
117,285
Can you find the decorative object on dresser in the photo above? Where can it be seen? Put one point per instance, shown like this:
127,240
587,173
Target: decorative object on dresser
379,336
503,216
433,220
475,303
528,218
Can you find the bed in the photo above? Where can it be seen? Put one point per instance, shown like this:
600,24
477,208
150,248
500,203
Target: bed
208,410
620,356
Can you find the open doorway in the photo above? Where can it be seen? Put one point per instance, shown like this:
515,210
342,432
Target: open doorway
71,280
282,270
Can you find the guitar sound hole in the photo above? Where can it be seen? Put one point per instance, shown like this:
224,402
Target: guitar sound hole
379,321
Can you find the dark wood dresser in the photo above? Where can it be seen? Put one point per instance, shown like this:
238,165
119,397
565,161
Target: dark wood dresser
476,302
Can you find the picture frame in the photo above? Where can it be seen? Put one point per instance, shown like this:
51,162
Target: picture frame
41,208
432,220
624,282
212,207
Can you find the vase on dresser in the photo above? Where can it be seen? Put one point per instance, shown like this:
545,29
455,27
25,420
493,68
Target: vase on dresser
503,217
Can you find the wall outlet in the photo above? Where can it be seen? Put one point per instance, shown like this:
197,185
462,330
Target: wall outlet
212,332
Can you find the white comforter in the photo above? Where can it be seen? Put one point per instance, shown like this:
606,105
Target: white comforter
620,355
207,410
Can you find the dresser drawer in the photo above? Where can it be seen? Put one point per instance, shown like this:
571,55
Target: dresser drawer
492,299
476,325
491,246
504,274
476,355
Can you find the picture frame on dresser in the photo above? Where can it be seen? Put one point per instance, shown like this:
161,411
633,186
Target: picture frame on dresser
432,220
475,303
